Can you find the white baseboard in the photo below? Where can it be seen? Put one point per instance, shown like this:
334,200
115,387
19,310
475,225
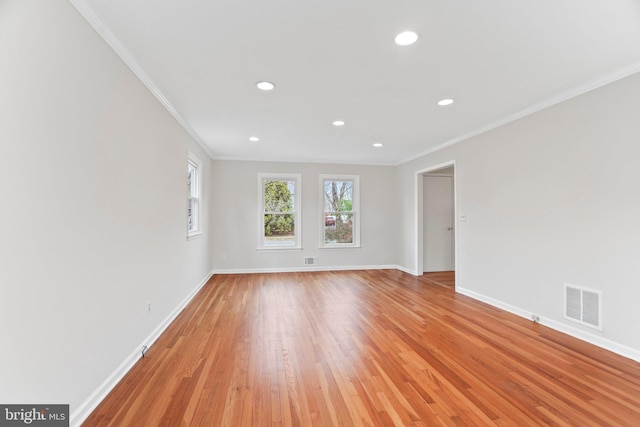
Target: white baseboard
81,413
601,342
408,270
305,268
85,409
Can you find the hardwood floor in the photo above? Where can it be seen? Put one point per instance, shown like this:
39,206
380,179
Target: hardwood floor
442,278
365,348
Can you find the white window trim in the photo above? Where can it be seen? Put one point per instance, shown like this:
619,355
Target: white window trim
297,208
195,161
355,207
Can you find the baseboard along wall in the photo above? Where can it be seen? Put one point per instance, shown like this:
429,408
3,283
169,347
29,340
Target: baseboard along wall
84,410
81,413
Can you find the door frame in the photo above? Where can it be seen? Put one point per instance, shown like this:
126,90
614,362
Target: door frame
419,216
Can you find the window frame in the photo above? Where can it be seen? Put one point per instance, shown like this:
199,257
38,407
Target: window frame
297,212
195,163
355,210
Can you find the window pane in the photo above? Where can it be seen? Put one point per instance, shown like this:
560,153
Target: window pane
280,216
192,223
279,196
191,181
279,230
340,210
338,227
194,194
338,207
338,196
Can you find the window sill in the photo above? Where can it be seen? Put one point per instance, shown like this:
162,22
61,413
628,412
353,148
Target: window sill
276,249
340,247
194,234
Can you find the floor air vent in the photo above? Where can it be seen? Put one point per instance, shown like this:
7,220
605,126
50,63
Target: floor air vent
310,260
583,305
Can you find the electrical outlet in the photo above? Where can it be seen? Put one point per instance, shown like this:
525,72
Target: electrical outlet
535,318
149,305
223,256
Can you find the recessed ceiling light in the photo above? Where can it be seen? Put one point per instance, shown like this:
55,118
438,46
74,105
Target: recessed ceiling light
265,85
377,145
338,123
406,38
254,139
445,102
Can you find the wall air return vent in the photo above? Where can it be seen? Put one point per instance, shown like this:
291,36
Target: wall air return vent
310,260
583,305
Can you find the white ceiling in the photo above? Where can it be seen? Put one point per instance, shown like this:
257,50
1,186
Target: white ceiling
336,59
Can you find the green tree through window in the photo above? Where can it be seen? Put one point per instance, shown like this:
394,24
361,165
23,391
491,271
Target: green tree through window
280,211
278,199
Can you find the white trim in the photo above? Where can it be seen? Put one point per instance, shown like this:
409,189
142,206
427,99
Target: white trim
601,342
572,93
87,12
408,271
280,249
418,224
306,268
355,209
195,161
101,28
297,200
81,413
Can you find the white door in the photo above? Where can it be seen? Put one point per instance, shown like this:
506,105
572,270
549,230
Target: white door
438,224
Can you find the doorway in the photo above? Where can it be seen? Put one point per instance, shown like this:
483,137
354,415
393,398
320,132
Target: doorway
436,220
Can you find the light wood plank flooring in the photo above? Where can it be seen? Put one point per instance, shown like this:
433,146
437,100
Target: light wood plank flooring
442,278
375,348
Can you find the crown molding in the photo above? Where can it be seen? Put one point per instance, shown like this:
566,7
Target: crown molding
103,30
580,90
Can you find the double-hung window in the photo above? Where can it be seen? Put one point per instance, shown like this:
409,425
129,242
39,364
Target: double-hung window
194,195
279,216
340,211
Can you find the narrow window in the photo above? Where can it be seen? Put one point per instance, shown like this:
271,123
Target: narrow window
279,222
194,196
341,211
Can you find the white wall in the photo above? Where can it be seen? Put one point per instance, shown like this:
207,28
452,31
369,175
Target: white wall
550,198
236,218
92,208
